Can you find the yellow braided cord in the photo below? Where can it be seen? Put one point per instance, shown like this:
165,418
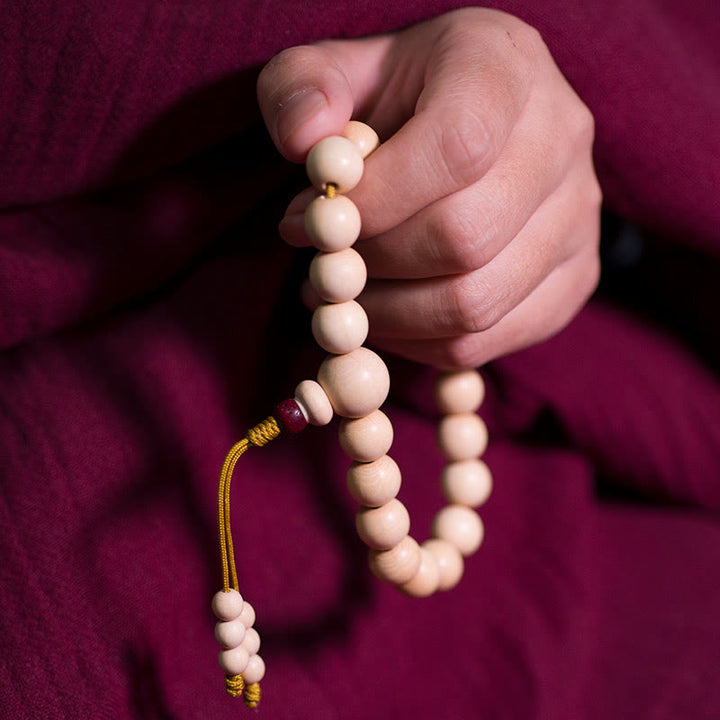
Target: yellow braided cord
330,191
234,685
252,695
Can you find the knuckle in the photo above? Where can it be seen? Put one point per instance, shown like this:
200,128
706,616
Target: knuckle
455,236
461,352
465,146
473,306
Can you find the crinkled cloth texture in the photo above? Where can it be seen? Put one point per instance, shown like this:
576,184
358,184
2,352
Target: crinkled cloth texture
148,314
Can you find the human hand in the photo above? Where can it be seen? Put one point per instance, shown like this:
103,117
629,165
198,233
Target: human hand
481,208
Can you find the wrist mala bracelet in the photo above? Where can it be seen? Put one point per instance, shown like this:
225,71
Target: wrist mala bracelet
353,382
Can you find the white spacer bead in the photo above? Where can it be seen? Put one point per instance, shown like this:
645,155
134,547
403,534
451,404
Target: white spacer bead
313,403
251,642
255,670
340,327
230,634
449,561
332,223
338,276
382,528
461,436
374,483
426,579
397,565
334,160
247,615
459,392
366,438
467,482
227,605
234,661
460,526
363,136
356,383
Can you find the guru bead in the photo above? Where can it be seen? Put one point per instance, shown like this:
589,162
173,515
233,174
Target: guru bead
227,605
338,276
340,327
290,417
332,223
334,160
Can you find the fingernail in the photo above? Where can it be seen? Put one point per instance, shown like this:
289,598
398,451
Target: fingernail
298,109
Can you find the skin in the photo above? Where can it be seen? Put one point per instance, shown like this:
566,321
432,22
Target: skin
481,208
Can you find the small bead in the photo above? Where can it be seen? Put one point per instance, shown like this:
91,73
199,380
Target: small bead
341,327
356,383
227,605
467,482
290,417
234,661
338,276
460,526
383,527
363,136
459,392
255,670
374,483
397,565
449,561
247,615
366,438
251,641
335,160
230,634
461,436
332,223
426,579
313,403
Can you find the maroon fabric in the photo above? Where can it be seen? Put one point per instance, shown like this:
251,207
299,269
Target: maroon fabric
148,313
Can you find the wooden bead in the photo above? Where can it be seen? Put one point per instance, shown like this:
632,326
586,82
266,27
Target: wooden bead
234,661
461,436
247,615
332,223
460,526
227,605
338,276
255,670
363,136
449,561
397,565
340,327
382,528
313,403
335,160
251,641
426,579
230,634
374,483
459,392
290,417
467,482
366,438
356,383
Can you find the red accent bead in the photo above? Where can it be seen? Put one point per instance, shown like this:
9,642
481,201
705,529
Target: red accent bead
290,416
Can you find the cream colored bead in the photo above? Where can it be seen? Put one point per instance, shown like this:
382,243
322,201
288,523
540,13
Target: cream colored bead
227,605
366,438
460,526
335,160
247,615
363,136
397,565
462,436
426,579
356,383
459,392
255,670
313,403
251,641
382,528
338,276
332,223
467,482
230,634
374,483
340,327
234,661
449,561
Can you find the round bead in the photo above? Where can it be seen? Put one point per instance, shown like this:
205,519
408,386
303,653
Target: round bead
374,483
332,223
462,436
383,527
397,565
255,670
467,482
366,438
363,136
459,392
251,641
426,579
313,403
247,615
460,526
338,276
341,327
334,160
449,561
356,383
290,417
227,605
230,634
234,661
